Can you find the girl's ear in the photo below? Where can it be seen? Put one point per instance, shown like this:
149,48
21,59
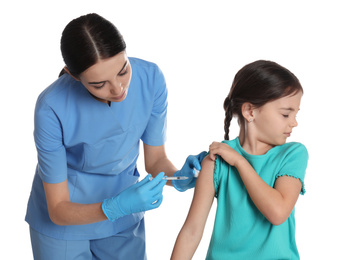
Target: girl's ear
248,111
68,72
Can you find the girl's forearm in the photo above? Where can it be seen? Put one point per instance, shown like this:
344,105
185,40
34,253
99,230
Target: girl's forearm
268,200
186,245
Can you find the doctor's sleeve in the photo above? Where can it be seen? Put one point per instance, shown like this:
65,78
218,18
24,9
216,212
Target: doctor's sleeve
51,153
155,132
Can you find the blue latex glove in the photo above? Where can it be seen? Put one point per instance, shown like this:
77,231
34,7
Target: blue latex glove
192,161
142,196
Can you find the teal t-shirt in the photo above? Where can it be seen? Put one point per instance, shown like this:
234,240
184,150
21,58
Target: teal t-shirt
240,230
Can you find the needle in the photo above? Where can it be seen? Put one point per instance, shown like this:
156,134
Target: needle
177,178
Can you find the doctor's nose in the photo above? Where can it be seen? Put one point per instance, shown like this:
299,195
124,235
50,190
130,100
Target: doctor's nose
116,88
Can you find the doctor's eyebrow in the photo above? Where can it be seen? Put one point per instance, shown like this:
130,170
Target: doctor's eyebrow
124,66
100,82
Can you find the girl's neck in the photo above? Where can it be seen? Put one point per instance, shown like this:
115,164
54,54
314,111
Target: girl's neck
251,145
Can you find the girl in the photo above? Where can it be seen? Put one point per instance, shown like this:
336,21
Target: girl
256,177
86,201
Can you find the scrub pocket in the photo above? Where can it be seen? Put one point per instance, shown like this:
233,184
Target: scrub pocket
111,155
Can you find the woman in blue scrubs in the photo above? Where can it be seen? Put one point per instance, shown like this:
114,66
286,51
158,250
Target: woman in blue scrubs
86,201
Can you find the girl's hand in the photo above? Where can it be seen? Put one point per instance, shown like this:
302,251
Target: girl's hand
225,151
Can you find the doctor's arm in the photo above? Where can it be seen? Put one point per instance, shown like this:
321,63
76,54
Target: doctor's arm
142,196
64,212
156,161
193,228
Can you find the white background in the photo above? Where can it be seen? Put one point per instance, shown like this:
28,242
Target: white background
199,45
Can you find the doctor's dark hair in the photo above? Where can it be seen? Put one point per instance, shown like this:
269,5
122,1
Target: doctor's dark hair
88,39
258,83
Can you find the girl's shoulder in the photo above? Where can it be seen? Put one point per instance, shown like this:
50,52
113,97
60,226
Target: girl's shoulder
286,150
232,143
292,148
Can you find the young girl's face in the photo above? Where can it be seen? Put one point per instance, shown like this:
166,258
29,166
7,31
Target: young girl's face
275,120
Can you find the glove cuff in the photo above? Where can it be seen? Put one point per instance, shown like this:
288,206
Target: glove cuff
112,210
176,184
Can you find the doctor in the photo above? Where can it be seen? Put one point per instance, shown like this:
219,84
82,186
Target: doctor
86,201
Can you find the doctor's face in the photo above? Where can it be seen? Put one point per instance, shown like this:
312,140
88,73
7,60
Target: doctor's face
108,80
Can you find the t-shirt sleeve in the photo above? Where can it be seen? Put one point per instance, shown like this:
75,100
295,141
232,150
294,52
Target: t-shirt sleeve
295,163
221,170
155,132
221,173
52,162
216,175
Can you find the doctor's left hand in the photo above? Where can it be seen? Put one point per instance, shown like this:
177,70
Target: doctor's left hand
187,170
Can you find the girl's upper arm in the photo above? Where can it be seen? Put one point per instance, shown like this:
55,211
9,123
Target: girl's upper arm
289,188
204,193
192,230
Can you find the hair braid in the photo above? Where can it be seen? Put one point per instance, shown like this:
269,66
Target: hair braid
228,116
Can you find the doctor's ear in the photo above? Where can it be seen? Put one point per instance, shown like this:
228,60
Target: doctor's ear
73,76
248,111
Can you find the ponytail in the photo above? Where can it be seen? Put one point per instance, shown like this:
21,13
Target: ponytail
62,72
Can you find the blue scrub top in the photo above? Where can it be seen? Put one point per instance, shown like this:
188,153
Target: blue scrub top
95,146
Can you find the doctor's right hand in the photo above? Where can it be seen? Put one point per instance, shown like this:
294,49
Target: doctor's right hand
142,196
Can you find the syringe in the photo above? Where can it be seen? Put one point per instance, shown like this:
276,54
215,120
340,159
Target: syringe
177,178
